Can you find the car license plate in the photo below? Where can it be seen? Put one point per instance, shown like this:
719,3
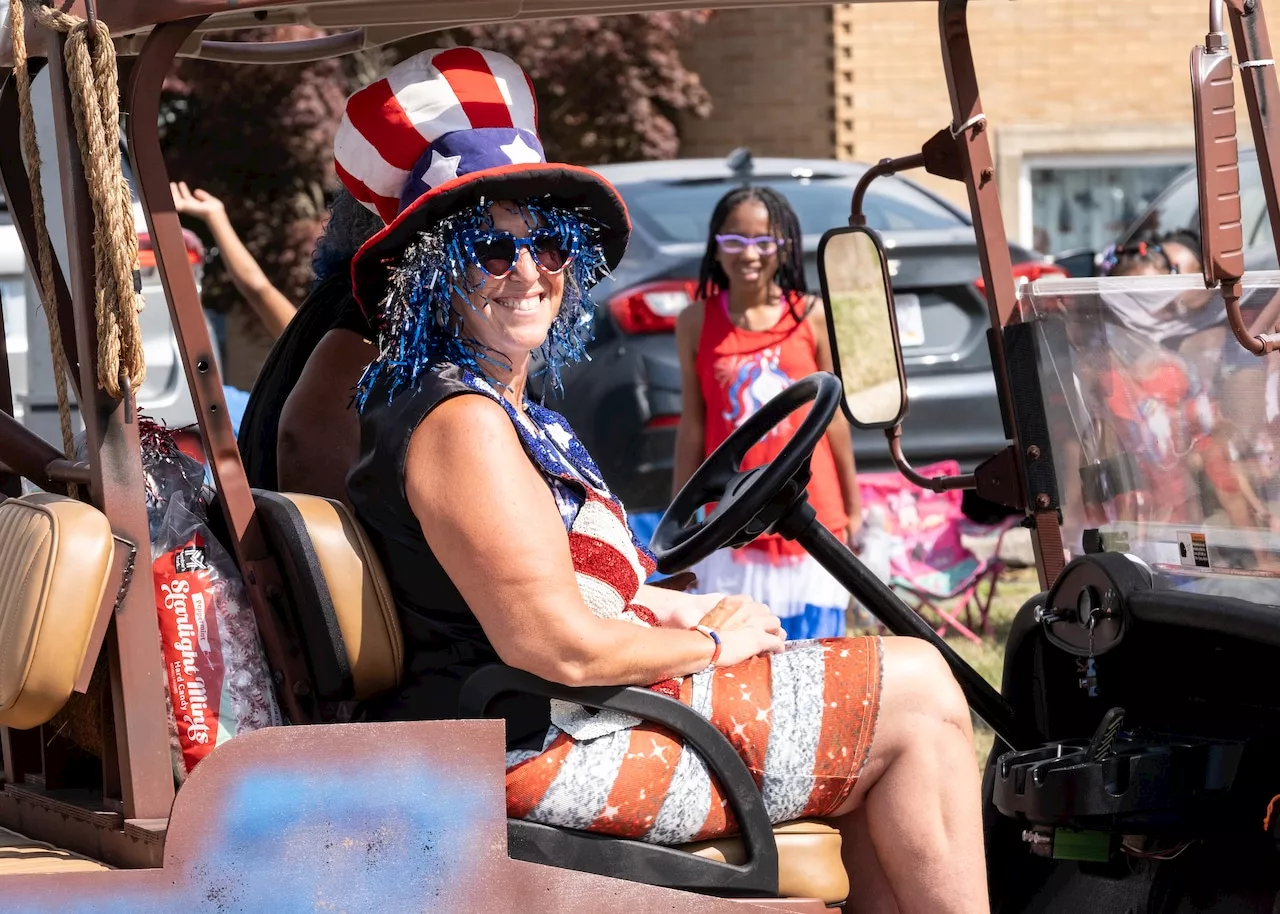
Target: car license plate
910,320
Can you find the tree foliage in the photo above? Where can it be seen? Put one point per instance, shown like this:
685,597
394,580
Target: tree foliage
610,89
260,138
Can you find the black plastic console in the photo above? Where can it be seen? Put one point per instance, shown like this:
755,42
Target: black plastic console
1156,781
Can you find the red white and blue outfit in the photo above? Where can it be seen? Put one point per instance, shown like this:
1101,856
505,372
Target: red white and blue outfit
738,371
802,720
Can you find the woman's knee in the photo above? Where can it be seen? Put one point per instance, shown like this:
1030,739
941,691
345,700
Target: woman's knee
918,682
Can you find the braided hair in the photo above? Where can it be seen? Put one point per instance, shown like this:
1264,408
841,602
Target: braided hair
1132,258
350,225
782,220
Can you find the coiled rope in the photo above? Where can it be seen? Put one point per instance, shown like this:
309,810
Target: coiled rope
91,76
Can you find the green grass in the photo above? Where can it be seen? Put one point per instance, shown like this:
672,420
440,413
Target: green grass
1017,585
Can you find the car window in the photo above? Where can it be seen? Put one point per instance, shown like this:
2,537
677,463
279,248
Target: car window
675,212
1179,207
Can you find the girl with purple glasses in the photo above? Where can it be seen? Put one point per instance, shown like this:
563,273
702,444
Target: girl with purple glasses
753,332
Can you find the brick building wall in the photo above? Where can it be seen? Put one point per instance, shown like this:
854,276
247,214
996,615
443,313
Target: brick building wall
1059,78
770,72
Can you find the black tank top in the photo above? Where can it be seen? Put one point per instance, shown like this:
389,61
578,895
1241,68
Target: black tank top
329,306
444,642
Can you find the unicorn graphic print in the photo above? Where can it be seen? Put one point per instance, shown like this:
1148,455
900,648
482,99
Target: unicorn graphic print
750,381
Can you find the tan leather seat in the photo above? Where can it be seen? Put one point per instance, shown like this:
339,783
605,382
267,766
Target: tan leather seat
809,864
55,564
343,604
20,856
345,611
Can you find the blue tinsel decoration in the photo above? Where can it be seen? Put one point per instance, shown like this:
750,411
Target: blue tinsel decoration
420,329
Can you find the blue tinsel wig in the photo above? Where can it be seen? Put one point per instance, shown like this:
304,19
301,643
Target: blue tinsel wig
421,327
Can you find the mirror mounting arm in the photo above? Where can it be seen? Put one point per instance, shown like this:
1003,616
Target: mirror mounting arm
881,168
1252,340
937,483
939,157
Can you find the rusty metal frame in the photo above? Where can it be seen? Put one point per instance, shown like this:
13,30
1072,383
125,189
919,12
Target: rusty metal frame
978,167
261,575
27,454
116,484
1262,94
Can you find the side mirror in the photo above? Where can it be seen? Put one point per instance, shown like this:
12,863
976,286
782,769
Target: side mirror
863,326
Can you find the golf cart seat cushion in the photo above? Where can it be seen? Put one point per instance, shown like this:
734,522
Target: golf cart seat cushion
345,611
55,564
809,864
21,856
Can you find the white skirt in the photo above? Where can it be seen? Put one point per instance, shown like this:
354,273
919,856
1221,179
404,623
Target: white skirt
803,594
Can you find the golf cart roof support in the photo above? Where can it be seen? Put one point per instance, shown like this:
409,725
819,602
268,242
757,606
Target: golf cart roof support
17,195
146,773
1261,94
27,454
260,572
978,168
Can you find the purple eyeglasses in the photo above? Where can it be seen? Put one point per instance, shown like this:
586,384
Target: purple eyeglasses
736,244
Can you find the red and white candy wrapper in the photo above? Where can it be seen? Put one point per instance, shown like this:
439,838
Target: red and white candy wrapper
217,675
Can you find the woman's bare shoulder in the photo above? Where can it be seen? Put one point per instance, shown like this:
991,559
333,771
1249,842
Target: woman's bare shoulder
465,459
465,421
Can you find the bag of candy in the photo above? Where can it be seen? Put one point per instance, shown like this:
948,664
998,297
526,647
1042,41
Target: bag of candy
217,674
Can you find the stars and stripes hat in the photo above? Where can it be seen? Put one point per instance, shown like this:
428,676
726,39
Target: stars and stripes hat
442,130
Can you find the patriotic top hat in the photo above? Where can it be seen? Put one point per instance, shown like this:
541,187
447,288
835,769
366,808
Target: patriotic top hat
440,131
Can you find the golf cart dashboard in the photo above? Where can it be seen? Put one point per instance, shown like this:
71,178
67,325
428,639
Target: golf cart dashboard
1098,597
1159,700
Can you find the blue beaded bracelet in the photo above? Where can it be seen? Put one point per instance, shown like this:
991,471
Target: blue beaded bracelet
715,638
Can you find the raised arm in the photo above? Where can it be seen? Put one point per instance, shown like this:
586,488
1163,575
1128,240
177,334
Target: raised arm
692,430
493,524
268,303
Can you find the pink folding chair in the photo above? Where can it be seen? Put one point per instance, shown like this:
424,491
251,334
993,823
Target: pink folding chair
931,567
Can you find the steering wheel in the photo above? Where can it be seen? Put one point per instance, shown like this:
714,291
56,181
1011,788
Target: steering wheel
742,498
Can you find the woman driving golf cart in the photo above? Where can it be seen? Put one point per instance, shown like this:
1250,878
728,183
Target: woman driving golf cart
502,541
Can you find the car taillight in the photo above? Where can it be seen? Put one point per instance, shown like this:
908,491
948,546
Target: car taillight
1028,271
662,422
147,254
653,307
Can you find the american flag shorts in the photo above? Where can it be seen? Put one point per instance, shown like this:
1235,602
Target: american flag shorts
801,720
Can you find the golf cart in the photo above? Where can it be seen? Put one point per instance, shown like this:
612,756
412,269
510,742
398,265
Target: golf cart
1133,768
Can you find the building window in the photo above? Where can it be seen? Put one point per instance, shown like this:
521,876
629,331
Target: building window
1086,202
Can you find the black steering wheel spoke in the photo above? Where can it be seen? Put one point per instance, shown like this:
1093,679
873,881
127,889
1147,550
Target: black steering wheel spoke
747,502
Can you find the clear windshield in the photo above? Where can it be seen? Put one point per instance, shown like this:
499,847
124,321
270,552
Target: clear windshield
1165,432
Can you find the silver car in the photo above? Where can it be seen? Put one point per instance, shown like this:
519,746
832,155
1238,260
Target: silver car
164,395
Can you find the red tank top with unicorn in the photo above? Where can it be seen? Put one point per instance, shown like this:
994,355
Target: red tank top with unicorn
741,369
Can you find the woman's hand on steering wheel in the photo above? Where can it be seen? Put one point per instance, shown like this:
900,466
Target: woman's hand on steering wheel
746,629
